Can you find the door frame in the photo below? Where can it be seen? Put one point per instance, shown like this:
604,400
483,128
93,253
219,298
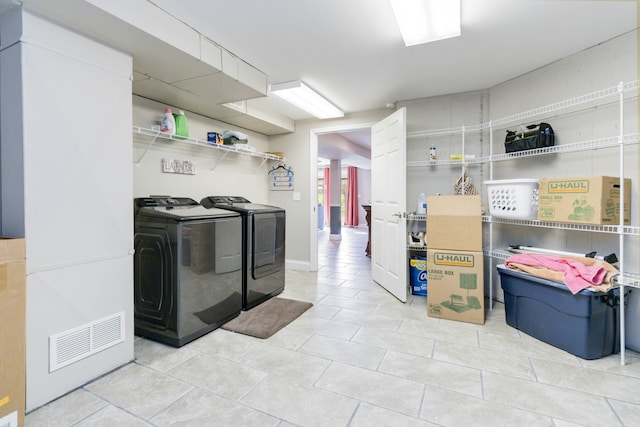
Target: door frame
313,182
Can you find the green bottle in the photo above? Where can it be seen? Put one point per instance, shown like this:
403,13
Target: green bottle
182,129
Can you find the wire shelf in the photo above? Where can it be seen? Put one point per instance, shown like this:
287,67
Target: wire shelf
198,142
626,230
603,94
594,144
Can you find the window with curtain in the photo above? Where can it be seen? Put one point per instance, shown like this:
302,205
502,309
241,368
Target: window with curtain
351,204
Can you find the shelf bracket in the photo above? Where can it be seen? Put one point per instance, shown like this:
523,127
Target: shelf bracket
219,160
263,162
144,153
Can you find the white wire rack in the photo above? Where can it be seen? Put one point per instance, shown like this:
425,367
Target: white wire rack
153,136
612,96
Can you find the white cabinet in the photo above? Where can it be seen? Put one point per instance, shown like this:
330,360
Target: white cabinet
596,132
67,188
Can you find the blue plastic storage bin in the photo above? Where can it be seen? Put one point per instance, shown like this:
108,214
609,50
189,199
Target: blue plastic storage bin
585,324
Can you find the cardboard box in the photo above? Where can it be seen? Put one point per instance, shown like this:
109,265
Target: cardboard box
456,285
454,222
587,200
12,329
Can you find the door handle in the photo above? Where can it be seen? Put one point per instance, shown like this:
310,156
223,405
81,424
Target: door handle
398,214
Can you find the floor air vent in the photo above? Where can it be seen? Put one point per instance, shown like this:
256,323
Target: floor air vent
75,344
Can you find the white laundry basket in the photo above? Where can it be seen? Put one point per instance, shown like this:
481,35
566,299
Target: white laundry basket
513,198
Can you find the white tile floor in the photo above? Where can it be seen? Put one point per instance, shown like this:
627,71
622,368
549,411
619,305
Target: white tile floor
357,358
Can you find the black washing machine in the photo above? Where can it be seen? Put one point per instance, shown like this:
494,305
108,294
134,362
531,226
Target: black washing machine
263,247
187,268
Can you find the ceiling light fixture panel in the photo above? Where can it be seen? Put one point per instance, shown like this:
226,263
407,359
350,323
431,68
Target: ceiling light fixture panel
302,96
424,21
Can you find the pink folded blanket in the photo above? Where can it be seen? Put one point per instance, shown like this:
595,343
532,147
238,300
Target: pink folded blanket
577,273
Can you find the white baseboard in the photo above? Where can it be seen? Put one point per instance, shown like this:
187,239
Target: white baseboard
297,265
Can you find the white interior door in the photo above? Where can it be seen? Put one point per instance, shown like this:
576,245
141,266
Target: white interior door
388,196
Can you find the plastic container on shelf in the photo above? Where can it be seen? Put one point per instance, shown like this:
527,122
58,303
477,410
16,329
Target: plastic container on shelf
168,125
422,204
182,129
513,198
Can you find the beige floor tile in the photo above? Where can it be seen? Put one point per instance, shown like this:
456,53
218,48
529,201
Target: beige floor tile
288,338
433,372
290,364
139,390
66,411
200,408
412,310
300,405
525,345
448,408
437,330
330,328
485,360
591,381
322,311
337,290
223,343
112,416
221,376
561,403
395,341
350,303
159,356
374,387
363,284
612,364
368,415
628,413
352,353
370,320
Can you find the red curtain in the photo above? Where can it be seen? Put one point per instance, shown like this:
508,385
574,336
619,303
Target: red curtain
351,215
327,195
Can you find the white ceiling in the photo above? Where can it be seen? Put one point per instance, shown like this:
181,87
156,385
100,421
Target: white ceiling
351,51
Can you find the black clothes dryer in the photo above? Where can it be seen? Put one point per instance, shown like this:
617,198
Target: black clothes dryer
263,247
187,268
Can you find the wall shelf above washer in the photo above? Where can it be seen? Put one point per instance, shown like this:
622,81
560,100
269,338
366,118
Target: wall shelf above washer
153,135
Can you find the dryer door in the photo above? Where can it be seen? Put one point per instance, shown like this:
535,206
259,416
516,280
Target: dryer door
153,278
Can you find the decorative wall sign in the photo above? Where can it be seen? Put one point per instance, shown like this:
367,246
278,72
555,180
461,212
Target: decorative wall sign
281,178
185,167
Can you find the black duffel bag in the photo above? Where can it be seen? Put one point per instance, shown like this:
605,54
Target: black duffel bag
529,137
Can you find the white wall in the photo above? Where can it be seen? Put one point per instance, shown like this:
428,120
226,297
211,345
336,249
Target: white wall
235,175
438,113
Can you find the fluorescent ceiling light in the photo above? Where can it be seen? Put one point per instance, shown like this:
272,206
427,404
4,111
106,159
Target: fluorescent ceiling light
423,21
302,96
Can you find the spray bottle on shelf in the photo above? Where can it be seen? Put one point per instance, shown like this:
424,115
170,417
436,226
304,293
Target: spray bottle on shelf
168,122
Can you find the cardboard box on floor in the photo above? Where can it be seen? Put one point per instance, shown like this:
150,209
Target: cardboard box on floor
455,264
456,285
12,330
587,200
454,222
